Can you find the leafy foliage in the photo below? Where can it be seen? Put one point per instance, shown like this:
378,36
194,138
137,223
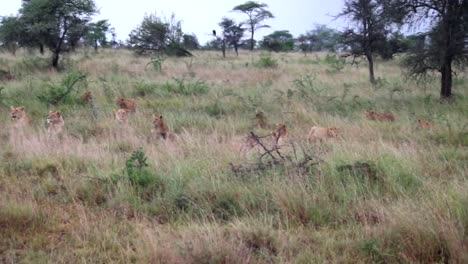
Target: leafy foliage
231,36
277,41
256,13
97,33
56,23
319,39
157,36
56,94
443,45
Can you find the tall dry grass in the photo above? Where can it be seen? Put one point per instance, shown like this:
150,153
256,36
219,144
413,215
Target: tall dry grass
73,198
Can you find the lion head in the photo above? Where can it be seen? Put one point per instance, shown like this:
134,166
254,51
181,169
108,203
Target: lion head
87,97
121,115
126,103
55,122
18,116
17,113
332,132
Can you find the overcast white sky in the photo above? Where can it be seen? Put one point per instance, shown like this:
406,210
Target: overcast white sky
201,16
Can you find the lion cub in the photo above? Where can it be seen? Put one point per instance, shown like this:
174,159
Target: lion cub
321,133
54,123
279,135
19,118
160,128
126,103
87,97
385,116
261,120
121,116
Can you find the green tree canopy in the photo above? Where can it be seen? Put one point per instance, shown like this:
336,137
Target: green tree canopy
53,23
96,33
372,21
444,45
257,13
277,41
154,35
232,34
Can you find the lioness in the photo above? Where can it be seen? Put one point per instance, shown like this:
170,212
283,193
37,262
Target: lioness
160,128
126,103
373,115
423,123
54,123
321,133
19,118
121,116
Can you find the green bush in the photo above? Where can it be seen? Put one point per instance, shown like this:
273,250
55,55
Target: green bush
55,94
146,182
266,61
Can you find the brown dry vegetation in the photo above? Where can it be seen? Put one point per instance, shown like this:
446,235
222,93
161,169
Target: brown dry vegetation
385,192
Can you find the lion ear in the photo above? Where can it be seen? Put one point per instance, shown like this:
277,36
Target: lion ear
160,116
58,113
22,108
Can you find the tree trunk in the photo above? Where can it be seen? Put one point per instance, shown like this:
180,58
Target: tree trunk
223,49
446,80
236,48
41,49
370,61
252,38
95,46
55,59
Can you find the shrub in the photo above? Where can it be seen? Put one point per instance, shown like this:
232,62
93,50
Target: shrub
55,94
266,61
146,182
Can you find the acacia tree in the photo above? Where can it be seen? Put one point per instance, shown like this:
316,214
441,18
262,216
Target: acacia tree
446,42
96,33
256,13
52,22
373,21
232,35
157,36
280,40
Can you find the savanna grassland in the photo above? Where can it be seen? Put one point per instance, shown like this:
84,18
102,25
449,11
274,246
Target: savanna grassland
385,192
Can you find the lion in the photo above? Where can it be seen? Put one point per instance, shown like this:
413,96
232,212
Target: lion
423,123
321,133
55,123
261,120
121,115
160,128
280,134
385,116
19,118
126,103
87,97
